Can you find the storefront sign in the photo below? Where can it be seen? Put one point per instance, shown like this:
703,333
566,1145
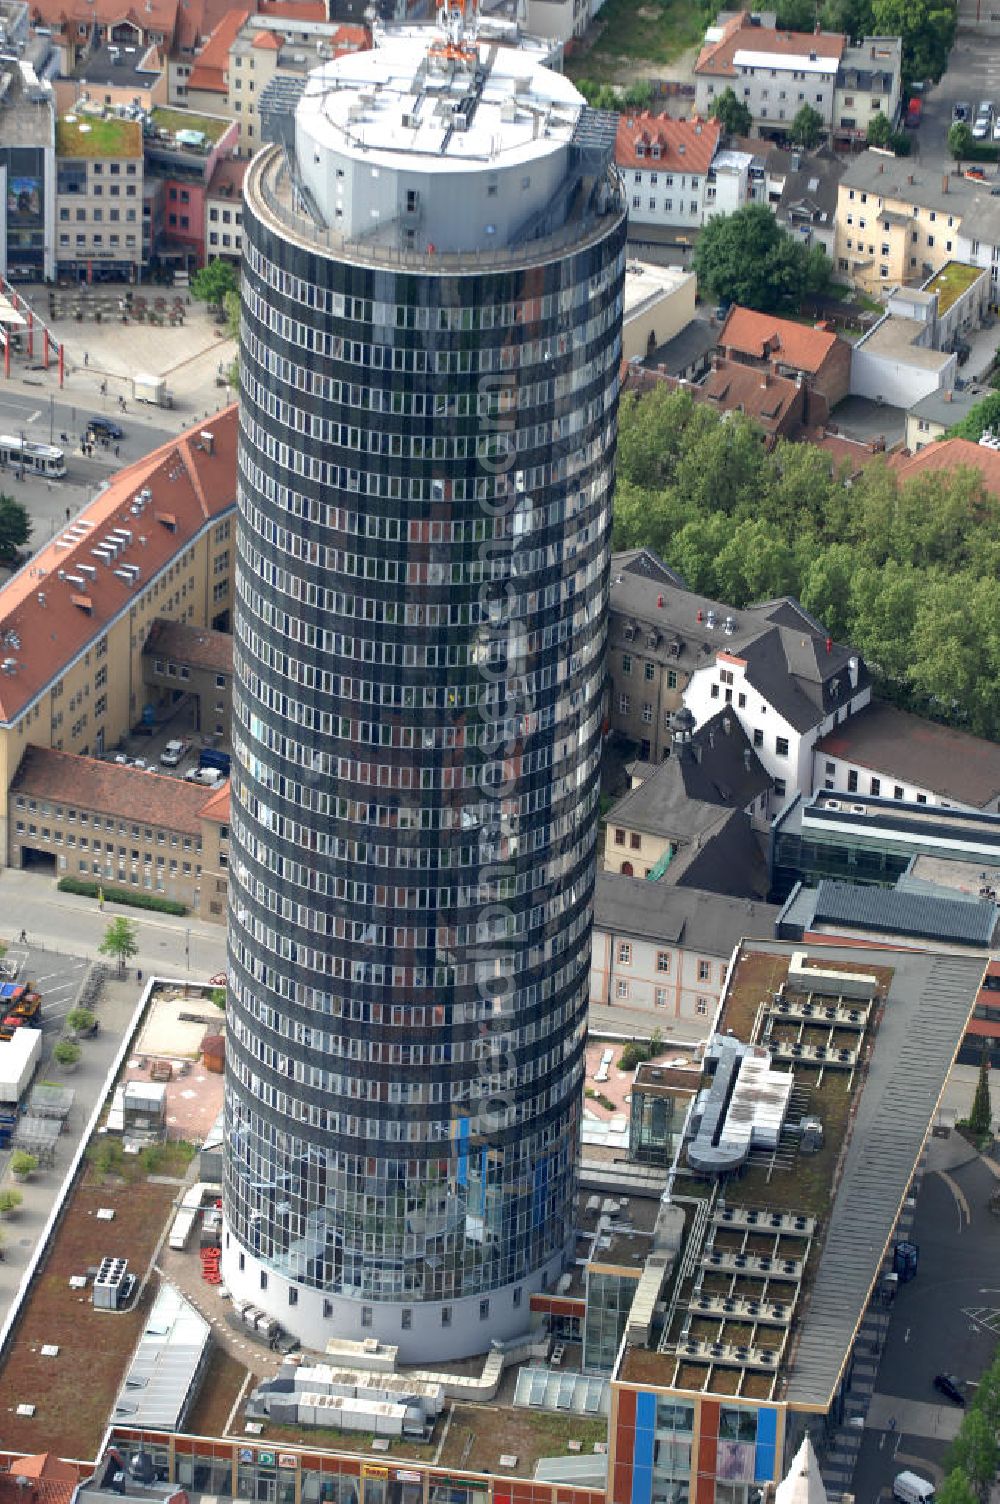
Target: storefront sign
374,1472
265,1459
404,1477
288,1459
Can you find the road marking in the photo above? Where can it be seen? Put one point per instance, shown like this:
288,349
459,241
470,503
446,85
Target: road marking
959,1197
32,416
983,1319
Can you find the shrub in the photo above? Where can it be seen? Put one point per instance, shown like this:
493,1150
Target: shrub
218,996
10,1201
635,1053
66,1052
80,1020
22,1163
106,1156
121,895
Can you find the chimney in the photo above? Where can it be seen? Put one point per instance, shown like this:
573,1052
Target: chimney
765,379
207,441
711,741
659,601
910,179
829,644
727,725
949,396
852,667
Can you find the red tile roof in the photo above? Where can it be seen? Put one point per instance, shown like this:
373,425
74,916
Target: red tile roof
268,41
41,629
51,1480
157,16
948,455
201,647
136,794
212,63
731,385
295,10
761,336
740,36
687,144
217,807
196,20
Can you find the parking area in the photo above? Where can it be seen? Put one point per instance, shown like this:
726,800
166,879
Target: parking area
909,1424
144,747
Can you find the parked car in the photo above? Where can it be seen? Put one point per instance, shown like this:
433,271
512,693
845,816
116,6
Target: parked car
948,1385
173,752
996,128
211,777
961,113
105,428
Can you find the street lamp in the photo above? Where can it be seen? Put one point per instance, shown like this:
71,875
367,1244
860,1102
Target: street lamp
187,949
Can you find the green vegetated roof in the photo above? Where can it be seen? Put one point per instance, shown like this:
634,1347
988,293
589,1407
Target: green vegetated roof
212,126
954,278
91,136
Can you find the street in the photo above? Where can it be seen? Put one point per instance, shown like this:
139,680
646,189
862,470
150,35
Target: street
168,946
946,1320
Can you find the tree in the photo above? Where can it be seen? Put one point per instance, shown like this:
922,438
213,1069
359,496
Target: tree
120,941
10,1200
927,28
852,17
981,1116
900,144
975,1452
638,96
80,1020
959,140
879,130
599,96
732,114
807,127
983,418
213,281
15,526
748,258
956,1489
796,15
66,1053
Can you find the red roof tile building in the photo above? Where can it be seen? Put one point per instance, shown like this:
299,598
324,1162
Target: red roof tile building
773,72
157,543
947,456
816,356
665,165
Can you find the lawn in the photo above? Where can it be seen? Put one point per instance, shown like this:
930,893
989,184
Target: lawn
73,1392
481,1434
954,279
636,33
220,1386
90,136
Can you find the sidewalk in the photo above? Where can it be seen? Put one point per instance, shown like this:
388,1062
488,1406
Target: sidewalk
23,1228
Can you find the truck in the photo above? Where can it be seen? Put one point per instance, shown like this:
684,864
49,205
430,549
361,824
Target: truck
910,1488
152,389
212,757
18,1058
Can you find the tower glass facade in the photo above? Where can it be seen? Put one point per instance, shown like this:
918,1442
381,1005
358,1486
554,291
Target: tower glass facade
426,463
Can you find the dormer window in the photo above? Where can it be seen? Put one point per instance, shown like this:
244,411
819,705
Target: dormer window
640,148
655,152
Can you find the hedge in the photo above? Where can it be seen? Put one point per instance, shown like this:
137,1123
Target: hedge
121,895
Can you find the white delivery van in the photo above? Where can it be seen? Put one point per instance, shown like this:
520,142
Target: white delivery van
910,1488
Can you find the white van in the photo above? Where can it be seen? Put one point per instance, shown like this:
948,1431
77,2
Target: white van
910,1488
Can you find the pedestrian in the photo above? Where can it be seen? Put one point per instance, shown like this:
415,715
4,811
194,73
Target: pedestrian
86,357
117,452
138,974
24,937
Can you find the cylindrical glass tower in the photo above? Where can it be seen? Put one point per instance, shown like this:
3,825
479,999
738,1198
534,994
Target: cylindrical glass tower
431,335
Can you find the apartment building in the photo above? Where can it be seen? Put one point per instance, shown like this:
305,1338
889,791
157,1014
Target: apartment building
664,950
886,753
665,166
898,222
185,661
868,84
120,827
27,172
773,72
224,210
183,153
99,194
74,621
286,45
